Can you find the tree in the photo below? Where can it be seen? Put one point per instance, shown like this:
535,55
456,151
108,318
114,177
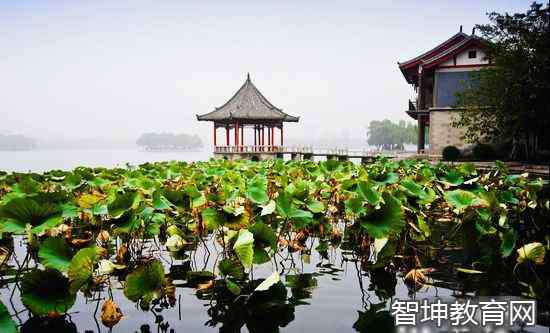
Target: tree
388,135
510,101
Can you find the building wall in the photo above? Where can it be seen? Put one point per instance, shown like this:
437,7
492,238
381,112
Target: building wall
463,58
441,133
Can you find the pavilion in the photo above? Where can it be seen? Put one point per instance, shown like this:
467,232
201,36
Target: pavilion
248,108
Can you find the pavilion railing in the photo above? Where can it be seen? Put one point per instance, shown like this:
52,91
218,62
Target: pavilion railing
294,150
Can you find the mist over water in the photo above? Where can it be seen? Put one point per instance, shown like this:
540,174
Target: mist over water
67,159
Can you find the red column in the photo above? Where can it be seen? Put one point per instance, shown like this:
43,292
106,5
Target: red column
273,136
269,138
215,144
263,136
281,135
226,135
255,136
242,135
236,138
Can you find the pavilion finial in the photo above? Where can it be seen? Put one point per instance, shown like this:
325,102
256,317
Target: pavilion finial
461,28
248,76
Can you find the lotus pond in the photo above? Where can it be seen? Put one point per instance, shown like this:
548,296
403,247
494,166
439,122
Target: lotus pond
263,246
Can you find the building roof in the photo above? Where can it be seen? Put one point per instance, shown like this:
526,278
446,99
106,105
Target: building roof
428,54
441,53
248,103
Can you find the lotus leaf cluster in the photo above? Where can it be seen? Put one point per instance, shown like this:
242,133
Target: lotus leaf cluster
90,224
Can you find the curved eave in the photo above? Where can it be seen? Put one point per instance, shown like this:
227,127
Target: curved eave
286,118
428,54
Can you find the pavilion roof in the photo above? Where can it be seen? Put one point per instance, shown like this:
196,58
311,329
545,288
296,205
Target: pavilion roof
248,103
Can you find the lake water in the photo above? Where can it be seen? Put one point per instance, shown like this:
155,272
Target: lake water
66,159
332,291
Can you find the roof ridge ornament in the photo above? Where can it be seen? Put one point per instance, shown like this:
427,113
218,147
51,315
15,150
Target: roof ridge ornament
248,76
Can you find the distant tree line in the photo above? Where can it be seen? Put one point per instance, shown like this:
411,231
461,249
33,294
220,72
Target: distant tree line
169,141
16,142
387,135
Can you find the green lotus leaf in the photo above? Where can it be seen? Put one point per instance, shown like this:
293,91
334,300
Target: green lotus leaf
82,267
122,203
54,252
160,202
388,178
284,205
178,198
233,287
145,283
244,247
198,201
367,192
73,181
300,214
461,199
355,206
411,188
315,206
532,252
69,210
27,185
7,325
257,190
452,178
386,221
98,182
19,212
46,292
212,218
264,235
298,189
508,196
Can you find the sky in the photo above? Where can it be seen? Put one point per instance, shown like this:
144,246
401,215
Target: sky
116,69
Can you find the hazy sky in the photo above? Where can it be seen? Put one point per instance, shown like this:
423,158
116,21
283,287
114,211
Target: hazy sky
120,68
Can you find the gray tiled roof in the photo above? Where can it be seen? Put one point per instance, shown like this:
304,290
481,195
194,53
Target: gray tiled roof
248,103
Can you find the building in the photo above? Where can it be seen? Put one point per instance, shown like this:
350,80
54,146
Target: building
248,109
437,75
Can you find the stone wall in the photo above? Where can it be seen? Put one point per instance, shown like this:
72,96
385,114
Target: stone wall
442,134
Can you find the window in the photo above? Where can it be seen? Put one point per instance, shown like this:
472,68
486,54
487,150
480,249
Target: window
472,54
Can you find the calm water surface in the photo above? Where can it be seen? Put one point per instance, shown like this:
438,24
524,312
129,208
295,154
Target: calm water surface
340,288
66,159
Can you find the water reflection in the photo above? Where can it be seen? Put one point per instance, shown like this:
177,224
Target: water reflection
325,286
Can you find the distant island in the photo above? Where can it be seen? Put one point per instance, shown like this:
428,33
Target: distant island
16,142
169,141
